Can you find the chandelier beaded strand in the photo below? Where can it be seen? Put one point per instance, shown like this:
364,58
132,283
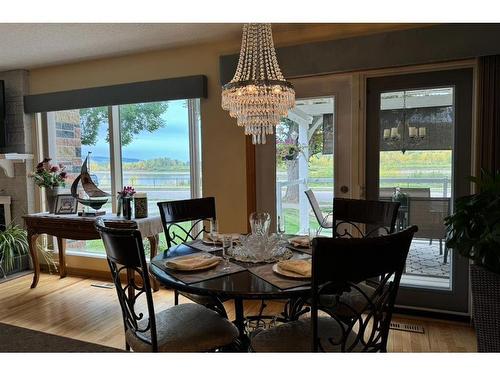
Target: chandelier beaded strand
258,96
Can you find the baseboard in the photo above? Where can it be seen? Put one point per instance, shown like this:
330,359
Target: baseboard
432,314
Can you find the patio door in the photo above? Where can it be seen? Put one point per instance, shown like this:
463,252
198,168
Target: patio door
311,149
418,151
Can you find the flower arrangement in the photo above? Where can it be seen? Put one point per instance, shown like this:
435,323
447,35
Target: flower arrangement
288,149
126,192
48,175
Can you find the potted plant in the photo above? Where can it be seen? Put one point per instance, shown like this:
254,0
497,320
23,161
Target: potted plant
474,231
14,250
50,177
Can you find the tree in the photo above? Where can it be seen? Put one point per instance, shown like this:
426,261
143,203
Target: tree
134,118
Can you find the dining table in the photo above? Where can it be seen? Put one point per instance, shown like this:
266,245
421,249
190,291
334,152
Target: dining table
244,281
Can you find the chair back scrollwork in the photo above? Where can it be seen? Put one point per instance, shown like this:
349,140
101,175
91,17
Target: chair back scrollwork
127,261
175,213
340,265
363,218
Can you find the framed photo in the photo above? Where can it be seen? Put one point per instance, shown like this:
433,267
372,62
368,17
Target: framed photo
65,204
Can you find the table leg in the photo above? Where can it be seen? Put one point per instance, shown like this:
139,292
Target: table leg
153,245
32,237
61,246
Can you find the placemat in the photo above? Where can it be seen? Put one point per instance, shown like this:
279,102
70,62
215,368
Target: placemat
191,277
266,273
305,250
199,245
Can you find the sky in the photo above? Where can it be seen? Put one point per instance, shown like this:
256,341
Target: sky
171,141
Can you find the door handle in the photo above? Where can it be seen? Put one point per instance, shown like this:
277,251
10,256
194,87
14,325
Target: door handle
344,189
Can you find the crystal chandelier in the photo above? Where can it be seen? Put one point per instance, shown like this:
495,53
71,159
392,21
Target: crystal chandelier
258,96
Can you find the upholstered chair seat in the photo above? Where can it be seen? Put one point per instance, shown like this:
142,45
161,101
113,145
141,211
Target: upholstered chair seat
187,328
296,336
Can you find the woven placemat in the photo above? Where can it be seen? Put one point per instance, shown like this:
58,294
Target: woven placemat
266,273
191,277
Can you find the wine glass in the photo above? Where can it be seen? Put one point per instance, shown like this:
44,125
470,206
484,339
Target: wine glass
280,229
227,250
214,233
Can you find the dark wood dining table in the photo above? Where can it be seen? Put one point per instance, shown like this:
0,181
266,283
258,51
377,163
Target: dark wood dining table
240,286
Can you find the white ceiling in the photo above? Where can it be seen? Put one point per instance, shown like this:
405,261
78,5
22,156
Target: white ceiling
25,46
28,46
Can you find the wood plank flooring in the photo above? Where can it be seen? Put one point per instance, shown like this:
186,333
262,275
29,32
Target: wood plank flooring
71,307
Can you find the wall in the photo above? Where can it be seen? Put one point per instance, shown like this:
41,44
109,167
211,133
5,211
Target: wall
20,187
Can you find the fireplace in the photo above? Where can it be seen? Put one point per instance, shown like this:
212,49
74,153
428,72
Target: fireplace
5,217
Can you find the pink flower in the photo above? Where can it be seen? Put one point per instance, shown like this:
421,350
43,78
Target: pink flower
54,168
63,175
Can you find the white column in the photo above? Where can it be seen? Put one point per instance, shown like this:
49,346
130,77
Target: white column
303,176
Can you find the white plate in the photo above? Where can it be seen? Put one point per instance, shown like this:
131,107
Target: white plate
291,242
293,275
205,267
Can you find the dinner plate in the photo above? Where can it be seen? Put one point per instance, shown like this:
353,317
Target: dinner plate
293,275
208,241
200,268
291,242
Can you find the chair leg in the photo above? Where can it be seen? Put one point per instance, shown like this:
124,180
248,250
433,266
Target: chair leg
176,297
440,247
127,346
445,258
430,241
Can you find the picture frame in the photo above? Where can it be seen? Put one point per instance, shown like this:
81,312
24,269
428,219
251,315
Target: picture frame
65,204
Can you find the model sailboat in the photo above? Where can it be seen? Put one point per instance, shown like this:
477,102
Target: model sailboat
96,197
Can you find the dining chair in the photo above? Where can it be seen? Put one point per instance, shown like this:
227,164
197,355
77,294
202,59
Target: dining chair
377,217
192,212
324,221
181,328
340,264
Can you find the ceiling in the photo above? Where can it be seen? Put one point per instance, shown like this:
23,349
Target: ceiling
28,46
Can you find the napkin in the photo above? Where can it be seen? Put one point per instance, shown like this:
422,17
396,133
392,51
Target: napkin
234,236
192,262
301,267
302,241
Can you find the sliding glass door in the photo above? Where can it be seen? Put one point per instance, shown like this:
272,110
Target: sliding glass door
418,153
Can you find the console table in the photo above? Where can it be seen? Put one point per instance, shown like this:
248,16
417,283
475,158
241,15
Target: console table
76,227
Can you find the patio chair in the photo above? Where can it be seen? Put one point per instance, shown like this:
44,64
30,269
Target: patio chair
429,214
324,222
181,328
341,264
193,211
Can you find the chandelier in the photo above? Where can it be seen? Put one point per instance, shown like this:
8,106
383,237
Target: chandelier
258,96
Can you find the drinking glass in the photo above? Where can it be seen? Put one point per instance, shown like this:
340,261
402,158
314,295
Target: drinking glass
227,250
280,229
214,233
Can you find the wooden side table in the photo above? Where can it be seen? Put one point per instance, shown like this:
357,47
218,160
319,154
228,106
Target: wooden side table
76,227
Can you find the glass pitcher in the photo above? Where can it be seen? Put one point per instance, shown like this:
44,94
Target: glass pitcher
260,223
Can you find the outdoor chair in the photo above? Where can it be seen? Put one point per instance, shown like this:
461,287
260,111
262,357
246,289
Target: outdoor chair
429,215
181,328
324,222
194,212
341,264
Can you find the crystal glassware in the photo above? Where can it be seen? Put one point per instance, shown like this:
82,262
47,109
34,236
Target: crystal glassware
260,223
227,250
214,233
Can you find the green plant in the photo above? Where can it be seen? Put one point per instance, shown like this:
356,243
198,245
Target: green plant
13,243
474,228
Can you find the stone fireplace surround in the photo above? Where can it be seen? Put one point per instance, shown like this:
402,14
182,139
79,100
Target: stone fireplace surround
19,188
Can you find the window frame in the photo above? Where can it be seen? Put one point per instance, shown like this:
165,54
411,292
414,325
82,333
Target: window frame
47,136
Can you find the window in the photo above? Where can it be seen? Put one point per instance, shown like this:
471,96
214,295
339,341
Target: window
157,145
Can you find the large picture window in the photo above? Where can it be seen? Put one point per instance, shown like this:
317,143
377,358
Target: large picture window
155,145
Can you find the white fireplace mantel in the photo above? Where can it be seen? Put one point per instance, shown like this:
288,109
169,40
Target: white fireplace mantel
7,162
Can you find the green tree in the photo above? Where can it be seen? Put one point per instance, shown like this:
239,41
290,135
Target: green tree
134,118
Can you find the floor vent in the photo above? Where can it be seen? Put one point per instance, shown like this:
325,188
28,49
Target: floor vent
407,327
103,285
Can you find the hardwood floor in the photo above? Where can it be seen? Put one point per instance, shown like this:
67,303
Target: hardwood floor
73,308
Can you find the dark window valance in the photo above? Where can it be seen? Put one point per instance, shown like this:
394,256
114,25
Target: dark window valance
136,92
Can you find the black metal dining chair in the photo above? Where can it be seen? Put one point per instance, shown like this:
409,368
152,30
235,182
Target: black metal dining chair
340,264
194,212
181,328
377,217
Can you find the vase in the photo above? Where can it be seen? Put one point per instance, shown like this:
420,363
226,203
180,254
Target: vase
127,207
50,198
